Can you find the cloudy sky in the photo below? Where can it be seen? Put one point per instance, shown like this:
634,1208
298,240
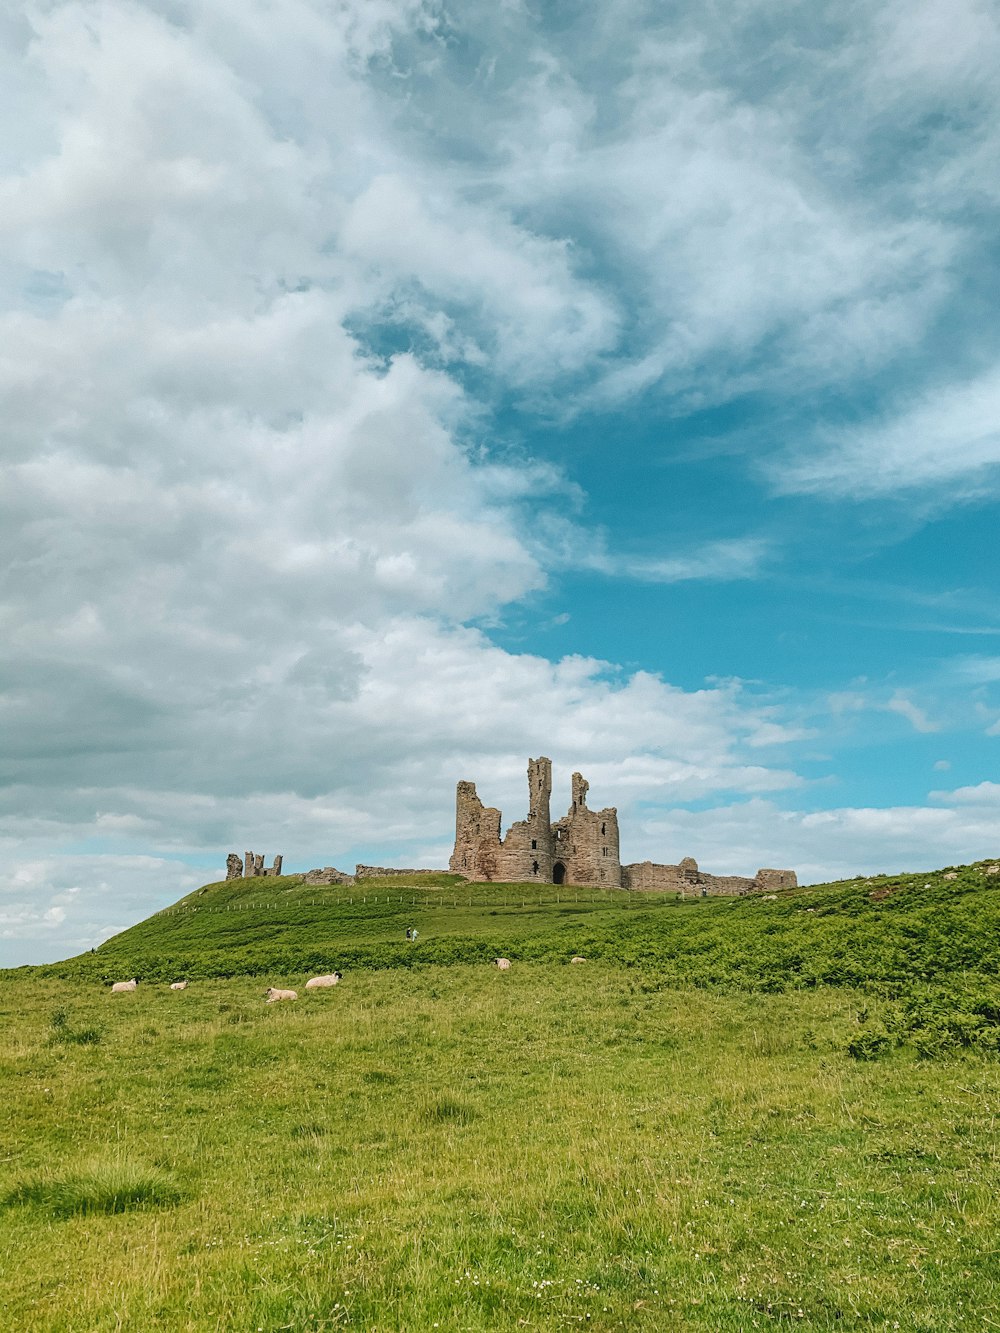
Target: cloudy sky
393,390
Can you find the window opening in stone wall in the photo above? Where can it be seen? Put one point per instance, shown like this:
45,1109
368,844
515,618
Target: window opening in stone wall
602,830
534,843
534,867
604,851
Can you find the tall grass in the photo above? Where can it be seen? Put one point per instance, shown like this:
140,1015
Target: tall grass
101,1185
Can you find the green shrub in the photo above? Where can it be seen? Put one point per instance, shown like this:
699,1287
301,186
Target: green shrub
870,1045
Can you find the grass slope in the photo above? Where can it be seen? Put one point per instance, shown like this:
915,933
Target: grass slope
908,937
739,1115
463,1149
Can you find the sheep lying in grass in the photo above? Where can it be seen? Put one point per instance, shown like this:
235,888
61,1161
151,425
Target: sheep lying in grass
330,979
271,994
178,985
577,959
120,987
502,963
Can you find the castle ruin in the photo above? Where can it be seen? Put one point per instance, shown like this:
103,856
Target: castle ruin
580,848
251,865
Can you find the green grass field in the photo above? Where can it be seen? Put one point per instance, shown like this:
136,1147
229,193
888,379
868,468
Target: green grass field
761,1114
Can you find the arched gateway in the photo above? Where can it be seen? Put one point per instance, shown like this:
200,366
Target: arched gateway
558,873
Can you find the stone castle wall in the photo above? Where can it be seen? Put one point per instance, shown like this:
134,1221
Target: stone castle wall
647,876
585,843
525,853
251,866
389,872
581,848
777,879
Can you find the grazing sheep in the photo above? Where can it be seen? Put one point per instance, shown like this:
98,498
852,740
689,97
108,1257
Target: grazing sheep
315,983
178,985
121,986
577,959
950,874
272,994
502,963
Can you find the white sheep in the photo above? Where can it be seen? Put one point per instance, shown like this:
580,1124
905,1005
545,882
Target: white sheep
502,963
121,986
577,959
178,985
330,979
272,995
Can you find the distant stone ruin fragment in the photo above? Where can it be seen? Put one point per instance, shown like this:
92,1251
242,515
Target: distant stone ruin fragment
581,848
328,875
251,866
388,872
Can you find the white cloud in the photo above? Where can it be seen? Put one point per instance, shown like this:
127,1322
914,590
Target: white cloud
950,436
519,288
985,795
55,906
737,558
565,545
913,713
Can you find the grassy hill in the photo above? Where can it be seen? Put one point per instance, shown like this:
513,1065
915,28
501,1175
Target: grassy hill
903,937
745,1114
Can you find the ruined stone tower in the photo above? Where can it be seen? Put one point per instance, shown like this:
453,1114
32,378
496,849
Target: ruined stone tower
585,842
582,848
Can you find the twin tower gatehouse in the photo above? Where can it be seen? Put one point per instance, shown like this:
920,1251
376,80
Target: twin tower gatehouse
580,848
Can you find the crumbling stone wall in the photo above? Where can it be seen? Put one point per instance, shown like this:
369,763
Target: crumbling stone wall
525,853
477,835
328,875
685,877
251,865
582,848
777,879
387,872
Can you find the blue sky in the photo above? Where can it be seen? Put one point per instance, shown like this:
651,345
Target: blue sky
395,391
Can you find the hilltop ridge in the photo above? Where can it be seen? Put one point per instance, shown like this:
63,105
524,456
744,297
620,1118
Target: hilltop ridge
885,931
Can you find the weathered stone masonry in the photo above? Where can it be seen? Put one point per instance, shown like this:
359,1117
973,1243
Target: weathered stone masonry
580,848
251,865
